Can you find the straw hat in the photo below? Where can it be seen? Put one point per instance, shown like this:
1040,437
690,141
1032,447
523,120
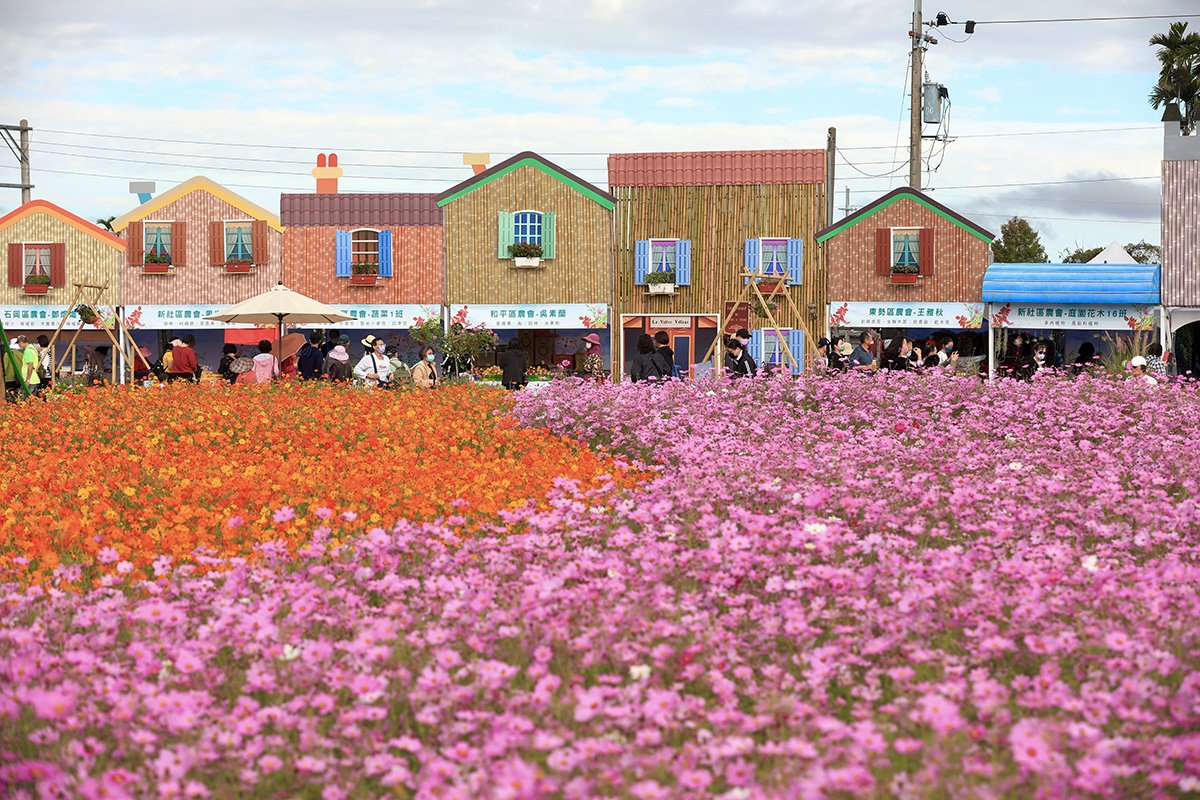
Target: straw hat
241,364
845,349
370,341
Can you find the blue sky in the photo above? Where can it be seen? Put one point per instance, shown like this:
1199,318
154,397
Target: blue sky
575,80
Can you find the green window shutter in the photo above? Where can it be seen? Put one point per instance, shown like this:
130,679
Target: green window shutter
504,234
548,234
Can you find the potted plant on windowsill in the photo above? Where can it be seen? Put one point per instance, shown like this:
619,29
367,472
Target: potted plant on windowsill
37,284
365,273
904,273
526,254
238,266
661,281
156,263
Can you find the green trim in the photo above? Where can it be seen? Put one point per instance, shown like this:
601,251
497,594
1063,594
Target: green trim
529,162
896,199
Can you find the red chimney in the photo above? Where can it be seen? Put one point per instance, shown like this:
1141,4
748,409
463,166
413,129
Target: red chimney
327,174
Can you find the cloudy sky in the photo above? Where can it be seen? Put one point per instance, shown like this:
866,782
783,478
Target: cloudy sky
1043,116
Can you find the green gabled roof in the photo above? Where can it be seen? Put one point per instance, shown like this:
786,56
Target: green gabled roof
916,196
526,159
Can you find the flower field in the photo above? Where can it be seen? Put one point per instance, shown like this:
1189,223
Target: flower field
906,587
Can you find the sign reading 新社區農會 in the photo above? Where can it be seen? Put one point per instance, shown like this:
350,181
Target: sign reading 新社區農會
560,316
1043,316
965,316
195,317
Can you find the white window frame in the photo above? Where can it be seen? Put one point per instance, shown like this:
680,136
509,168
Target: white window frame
541,229
675,253
892,247
354,252
762,240
25,247
239,222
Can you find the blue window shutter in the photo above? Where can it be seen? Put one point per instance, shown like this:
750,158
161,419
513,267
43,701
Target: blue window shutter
795,342
342,253
795,262
385,254
683,262
641,261
752,258
756,346
505,235
548,234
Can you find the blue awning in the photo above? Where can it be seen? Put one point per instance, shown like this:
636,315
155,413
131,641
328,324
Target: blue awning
1072,283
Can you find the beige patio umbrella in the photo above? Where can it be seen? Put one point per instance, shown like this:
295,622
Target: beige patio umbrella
280,306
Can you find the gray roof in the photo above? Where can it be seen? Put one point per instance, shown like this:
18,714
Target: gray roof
359,210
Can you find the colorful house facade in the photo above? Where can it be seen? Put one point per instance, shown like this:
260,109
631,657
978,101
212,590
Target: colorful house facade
1181,244
376,257
908,264
708,219
193,250
561,289
49,250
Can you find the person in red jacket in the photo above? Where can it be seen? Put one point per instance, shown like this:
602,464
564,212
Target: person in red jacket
184,365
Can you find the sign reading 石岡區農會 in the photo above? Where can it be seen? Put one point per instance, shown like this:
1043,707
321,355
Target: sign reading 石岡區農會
16,318
1043,316
556,316
963,316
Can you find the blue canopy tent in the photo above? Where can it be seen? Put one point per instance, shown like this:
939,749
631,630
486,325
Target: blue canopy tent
1071,296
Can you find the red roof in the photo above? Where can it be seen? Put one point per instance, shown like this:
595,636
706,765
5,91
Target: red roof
353,209
718,168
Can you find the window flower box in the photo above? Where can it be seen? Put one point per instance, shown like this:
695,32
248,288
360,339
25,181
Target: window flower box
526,263
661,281
526,255
156,268
364,280
238,267
904,278
661,288
37,284
769,286
364,273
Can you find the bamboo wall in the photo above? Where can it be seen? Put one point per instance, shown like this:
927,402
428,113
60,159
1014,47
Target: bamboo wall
581,272
1181,233
192,279
960,259
718,220
308,267
88,260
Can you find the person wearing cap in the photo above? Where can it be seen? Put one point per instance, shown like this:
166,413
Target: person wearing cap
266,365
183,361
749,367
337,363
593,362
735,366
242,369
374,368
821,361
1137,369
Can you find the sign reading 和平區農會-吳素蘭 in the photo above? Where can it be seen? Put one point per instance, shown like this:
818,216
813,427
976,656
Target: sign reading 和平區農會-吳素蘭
560,316
1043,316
964,316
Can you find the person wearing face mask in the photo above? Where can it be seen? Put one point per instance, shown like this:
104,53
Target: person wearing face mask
374,368
945,355
863,359
1033,362
425,374
749,367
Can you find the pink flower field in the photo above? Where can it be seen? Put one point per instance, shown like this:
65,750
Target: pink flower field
894,587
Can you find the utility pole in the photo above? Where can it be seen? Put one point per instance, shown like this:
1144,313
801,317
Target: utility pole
830,173
20,149
846,209
914,131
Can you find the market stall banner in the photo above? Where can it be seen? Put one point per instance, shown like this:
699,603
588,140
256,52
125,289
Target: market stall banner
965,316
1039,316
568,316
383,316
16,318
162,318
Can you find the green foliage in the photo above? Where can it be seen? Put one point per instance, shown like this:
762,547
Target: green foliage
905,269
1142,252
37,280
525,250
365,268
1179,72
1080,256
157,258
1019,243
662,276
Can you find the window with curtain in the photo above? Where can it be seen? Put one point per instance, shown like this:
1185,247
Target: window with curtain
527,227
37,259
662,255
774,257
906,249
157,240
364,247
238,244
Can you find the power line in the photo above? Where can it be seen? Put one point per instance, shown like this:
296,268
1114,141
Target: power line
1057,219
1080,19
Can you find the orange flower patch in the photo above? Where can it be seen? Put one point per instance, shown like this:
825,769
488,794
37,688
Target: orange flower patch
130,475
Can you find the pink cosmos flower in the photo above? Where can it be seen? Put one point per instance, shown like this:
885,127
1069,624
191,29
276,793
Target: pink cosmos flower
284,514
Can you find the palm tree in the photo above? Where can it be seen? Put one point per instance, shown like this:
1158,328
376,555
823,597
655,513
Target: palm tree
106,222
1179,75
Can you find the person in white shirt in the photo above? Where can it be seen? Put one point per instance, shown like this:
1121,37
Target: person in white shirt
1137,369
374,368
